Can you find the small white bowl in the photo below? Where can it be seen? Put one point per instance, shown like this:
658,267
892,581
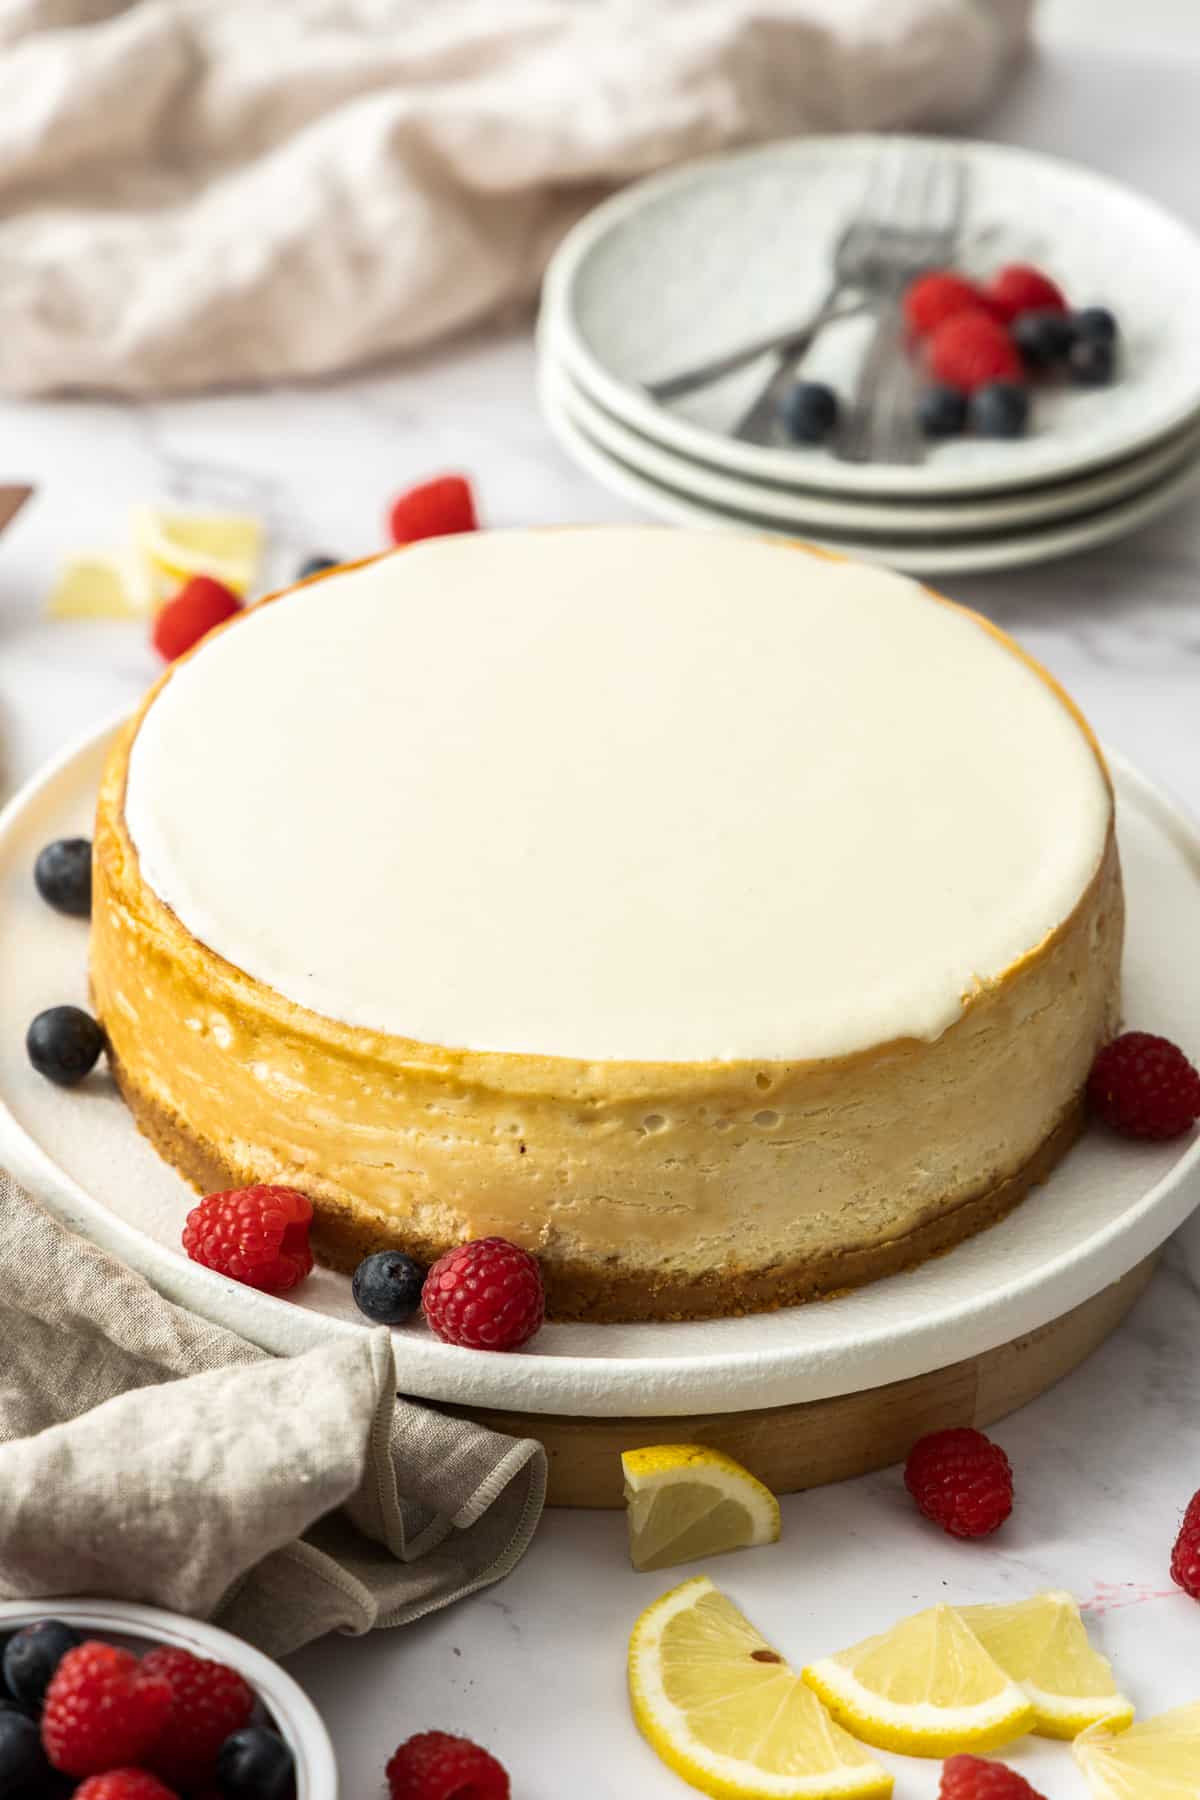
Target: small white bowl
295,1715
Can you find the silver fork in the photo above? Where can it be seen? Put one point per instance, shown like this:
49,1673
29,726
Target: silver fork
864,262
922,229
852,250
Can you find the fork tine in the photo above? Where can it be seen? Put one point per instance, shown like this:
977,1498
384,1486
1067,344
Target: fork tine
954,181
928,188
909,181
868,202
872,201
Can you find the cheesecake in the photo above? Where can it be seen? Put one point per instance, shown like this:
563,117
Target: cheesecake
726,923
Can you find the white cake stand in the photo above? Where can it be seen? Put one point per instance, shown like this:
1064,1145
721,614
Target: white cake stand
806,1394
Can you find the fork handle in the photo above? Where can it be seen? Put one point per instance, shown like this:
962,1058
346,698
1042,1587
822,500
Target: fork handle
756,424
788,343
855,442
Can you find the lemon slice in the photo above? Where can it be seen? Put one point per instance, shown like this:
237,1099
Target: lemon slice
1158,1759
927,1687
686,1501
1043,1645
98,586
176,545
726,1712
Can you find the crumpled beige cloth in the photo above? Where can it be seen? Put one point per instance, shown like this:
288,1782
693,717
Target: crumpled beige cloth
145,1455
196,192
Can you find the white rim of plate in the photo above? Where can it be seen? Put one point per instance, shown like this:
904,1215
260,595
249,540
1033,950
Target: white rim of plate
800,508
316,1768
779,1372
628,402
979,556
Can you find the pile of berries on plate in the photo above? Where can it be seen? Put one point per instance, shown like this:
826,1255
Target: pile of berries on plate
983,346
87,1717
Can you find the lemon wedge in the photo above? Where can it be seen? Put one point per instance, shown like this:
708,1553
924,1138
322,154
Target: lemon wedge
726,1712
99,587
1043,1645
1158,1759
686,1501
176,545
926,1687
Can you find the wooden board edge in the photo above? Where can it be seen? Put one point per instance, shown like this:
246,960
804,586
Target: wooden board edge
820,1441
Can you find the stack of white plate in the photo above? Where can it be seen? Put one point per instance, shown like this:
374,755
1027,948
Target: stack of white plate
687,265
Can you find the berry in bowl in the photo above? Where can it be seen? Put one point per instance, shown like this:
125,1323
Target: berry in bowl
112,1701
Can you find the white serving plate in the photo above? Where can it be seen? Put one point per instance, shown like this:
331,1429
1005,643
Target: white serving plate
689,263
137,1627
1106,1207
799,509
938,555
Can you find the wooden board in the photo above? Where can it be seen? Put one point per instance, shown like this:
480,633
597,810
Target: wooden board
819,1441
12,499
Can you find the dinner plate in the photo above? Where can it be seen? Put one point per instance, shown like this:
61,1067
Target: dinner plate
683,265
937,555
802,509
1106,1206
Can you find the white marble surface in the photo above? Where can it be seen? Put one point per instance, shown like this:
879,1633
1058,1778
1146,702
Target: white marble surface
1104,1463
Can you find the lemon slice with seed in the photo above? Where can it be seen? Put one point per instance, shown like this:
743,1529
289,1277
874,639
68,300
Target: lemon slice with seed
726,1712
177,545
686,1501
1158,1759
926,1687
1043,1645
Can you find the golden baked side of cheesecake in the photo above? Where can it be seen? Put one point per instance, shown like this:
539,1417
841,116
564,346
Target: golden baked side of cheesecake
649,1191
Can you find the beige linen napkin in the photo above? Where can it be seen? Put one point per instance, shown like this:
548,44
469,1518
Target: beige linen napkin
205,191
145,1455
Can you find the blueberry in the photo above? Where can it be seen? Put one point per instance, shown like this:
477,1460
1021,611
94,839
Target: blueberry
254,1764
809,412
313,565
31,1657
1092,362
1095,322
1043,338
63,1044
24,1770
387,1287
63,874
1000,410
942,411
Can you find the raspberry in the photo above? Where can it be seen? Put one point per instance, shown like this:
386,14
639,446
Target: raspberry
436,1766
440,508
932,298
969,349
1144,1087
256,1235
200,604
1185,1557
974,1778
208,1703
102,1710
1020,288
960,1480
486,1296
124,1784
